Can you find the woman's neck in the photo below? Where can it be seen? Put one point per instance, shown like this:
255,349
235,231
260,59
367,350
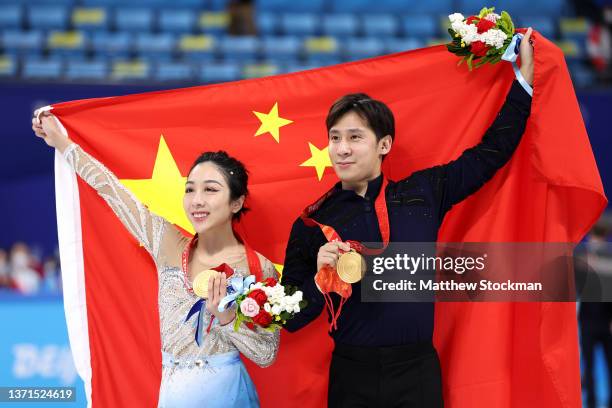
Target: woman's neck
216,241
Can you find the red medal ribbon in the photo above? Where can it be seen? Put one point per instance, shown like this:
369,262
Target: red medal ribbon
253,261
327,278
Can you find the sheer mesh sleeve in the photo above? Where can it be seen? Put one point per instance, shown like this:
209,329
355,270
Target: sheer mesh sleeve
155,234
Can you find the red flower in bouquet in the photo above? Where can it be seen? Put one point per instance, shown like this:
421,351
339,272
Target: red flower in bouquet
484,25
479,48
263,318
471,19
259,296
270,282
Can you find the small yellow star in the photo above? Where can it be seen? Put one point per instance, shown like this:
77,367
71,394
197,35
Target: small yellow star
163,192
271,123
319,159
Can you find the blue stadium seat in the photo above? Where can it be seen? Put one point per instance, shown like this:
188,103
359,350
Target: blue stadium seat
197,47
135,20
22,42
359,48
322,50
239,49
192,4
174,71
352,6
441,7
394,45
283,48
299,67
68,44
575,29
437,7
213,22
181,21
319,61
260,70
267,23
48,17
340,25
112,44
382,25
101,3
545,25
284,6
131,70
215,5
549,8
155,46
8,65
11,16
220,72
90,19
46,2
469,7
87,70
36,68
422,26
300,24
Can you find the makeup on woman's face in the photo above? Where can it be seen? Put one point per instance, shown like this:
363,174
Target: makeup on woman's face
207,198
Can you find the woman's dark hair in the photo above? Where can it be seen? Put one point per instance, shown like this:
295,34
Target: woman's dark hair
376,114
236,175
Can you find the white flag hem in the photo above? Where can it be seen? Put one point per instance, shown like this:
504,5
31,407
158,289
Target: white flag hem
68,208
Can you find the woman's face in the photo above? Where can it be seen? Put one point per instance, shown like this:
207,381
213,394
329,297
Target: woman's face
207,198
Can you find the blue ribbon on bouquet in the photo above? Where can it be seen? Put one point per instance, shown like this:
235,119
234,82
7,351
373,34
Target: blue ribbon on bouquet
237,285
511,54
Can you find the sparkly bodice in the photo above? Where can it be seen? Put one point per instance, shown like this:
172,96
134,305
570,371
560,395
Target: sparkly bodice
165,244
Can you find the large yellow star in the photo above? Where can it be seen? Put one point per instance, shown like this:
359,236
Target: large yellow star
163,192
319,159
271,123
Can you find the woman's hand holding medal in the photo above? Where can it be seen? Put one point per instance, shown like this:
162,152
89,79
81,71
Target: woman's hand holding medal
217,289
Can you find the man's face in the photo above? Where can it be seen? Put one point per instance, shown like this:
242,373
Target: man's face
354,151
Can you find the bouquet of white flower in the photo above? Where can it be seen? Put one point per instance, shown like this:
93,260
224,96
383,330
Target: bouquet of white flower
482,38
267,304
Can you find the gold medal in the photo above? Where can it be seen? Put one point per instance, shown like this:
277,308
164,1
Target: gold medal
351,267
200,283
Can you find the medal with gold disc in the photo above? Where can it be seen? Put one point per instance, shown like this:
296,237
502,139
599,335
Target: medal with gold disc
351,266
200,282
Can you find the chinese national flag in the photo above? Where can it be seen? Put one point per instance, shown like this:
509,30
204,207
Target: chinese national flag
493,355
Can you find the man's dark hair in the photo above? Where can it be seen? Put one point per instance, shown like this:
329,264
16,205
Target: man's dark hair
376,114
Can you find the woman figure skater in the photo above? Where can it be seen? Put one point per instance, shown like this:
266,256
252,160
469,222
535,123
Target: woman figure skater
210,374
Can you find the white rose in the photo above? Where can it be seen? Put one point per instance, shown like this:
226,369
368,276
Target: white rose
456,17
468,33
267,307
276,309
494,38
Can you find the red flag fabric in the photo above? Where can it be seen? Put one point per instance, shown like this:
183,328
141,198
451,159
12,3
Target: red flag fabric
495,354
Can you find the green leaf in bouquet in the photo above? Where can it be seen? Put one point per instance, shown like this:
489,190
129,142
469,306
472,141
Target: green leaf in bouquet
469,60
485,11
507,21
239,319
303,303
